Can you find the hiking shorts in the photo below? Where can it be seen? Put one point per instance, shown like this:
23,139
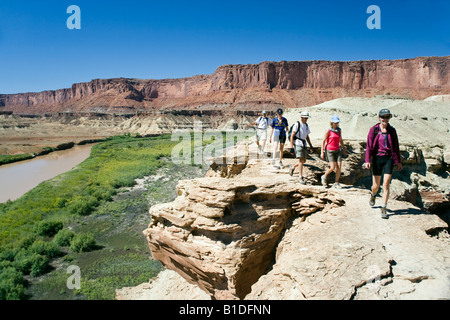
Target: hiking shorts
334,155
300,151
280,139
382,163
261,134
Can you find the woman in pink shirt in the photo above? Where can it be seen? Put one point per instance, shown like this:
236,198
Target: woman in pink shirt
333,146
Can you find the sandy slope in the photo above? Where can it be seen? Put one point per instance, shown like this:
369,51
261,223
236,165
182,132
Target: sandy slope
416,121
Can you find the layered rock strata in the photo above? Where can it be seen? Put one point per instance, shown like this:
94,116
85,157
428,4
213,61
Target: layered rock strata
221,233
251,231
257,86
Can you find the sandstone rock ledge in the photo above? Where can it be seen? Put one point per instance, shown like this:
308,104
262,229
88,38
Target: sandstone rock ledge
350,253
221,234
262,235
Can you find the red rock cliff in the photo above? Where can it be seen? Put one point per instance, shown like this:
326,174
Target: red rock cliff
268,84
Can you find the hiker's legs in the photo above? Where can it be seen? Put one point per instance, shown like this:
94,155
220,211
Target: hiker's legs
386,183
263,145
375,184
275,149
331,169
338,170
281,151
300,163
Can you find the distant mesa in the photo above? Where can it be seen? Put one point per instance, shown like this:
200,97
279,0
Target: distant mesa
245,87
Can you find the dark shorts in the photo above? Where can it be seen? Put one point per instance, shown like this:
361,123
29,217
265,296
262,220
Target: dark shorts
281,139
382,163
334,155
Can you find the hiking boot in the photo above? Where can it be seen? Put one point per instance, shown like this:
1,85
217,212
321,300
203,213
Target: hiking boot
301,180
291,170
324,180
372,200
281,165
275,165
384,213
337,185
260,150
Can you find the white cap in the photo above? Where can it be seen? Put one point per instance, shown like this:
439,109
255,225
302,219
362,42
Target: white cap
305,114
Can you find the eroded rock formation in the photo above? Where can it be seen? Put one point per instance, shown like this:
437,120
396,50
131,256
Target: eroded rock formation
286,83
221,233
258,234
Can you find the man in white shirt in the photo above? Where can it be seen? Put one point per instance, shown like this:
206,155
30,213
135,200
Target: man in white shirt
299,137
261,131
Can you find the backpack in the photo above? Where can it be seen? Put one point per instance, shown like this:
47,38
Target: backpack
295,136
260,118
376,132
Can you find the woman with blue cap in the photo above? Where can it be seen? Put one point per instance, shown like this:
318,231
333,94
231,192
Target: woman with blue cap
333,147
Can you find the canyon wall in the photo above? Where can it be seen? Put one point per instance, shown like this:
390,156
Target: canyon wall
256,87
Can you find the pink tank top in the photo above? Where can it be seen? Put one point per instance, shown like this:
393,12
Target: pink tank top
333,140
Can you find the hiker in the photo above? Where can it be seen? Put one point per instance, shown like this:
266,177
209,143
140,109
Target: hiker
382,154
333,147
278,135
299,135
261,131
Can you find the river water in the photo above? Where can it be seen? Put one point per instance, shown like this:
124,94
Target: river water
18,178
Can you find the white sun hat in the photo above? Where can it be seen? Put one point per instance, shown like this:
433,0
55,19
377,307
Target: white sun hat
305,114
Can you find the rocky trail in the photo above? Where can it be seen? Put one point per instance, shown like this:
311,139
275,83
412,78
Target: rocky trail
249,231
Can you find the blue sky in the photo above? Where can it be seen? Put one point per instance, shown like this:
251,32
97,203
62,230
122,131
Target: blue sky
173,39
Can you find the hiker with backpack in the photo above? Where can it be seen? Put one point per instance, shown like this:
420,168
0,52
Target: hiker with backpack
333,147
382,154
278,135
298,136
261,131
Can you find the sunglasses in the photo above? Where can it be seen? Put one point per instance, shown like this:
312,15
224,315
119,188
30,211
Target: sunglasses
385,117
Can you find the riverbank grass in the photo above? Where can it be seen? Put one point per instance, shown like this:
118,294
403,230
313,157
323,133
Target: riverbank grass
29,226
86,217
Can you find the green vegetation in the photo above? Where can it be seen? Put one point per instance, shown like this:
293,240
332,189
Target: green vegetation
113,272
85,217
64,237
113,164
48,228
6,158
83,242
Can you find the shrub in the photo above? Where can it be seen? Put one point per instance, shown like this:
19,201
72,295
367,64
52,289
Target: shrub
48,228
22,262
50,249
7,254
31,263
12,284
82,206
63,237
26,242
83,242
39,265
